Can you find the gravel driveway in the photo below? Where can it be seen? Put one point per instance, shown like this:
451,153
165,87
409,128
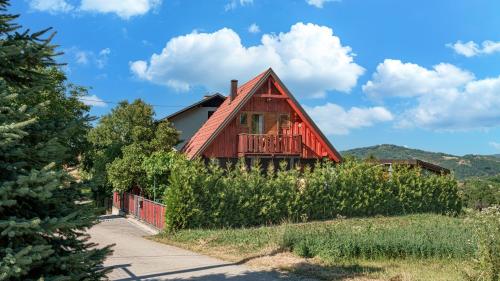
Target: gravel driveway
137,258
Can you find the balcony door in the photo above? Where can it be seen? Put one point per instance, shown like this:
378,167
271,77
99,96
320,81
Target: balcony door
257,126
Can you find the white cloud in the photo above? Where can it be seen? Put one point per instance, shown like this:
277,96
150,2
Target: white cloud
123,8
105,52
254,28
447,97
495,145
332,119
471,48
395,78
233,4
319,3
490,47
309,58
82,57
102,59
468,49
93,100
51,6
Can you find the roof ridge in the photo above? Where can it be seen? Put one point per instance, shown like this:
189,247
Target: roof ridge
208,131
226,112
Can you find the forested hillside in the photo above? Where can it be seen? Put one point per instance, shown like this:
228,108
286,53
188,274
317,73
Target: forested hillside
463,166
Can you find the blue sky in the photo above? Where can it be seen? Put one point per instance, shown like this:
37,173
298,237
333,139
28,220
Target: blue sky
423,74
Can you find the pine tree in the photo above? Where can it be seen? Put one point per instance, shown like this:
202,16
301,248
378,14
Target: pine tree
43,219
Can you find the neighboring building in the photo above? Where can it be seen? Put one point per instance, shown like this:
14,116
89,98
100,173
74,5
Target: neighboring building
188,120
260,119
413,163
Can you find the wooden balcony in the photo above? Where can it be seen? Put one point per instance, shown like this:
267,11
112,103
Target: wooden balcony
269,145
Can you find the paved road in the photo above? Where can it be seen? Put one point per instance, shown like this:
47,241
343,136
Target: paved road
137,258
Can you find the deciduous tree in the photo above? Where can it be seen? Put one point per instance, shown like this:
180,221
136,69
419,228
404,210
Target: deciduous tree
122,141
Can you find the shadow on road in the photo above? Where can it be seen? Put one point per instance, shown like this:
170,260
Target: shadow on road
302,271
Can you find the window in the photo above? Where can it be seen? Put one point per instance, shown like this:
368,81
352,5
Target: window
243,120
284,121
257,124
210,113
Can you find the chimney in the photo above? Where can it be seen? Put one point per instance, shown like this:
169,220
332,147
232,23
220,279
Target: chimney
234,89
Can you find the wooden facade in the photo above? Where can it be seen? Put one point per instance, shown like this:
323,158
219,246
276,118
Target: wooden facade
263,120
270,104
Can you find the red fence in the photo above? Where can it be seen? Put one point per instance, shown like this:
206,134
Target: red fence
140,207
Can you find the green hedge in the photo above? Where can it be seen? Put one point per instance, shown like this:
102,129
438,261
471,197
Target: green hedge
209,196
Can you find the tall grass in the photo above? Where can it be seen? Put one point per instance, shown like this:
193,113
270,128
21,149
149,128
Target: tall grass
422,236
487,229
419,236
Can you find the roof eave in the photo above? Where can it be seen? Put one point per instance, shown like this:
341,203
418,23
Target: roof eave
327,142
189,107
231,115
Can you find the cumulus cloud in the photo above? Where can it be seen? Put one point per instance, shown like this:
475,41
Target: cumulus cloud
471,48
254,28
123,8
333,119
51,6
93,100
446,97
309,58
395,78
319,3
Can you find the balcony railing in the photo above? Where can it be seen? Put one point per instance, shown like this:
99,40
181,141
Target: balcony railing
252,144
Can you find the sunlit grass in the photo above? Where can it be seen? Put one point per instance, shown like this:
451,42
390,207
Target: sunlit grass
414,247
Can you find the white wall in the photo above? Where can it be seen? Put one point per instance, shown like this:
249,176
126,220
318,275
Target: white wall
189,122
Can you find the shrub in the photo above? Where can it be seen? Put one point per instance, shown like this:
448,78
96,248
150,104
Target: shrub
481,192
209,196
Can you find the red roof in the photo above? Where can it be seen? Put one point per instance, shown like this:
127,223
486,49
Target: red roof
194,146
225,113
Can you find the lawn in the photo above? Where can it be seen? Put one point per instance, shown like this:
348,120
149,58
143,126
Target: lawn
414,247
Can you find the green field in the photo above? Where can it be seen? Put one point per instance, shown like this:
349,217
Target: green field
414,247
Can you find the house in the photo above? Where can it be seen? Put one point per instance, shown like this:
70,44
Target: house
260,119
189,119
414,163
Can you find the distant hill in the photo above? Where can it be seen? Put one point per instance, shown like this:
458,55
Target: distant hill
463,166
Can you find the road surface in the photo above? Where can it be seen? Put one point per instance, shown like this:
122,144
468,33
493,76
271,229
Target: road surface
137,258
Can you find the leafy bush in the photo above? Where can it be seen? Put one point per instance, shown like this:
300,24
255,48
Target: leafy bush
209,196
481,192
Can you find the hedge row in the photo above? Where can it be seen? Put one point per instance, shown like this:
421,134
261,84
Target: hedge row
201,196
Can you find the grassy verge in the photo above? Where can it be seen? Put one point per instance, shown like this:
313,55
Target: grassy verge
415,247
